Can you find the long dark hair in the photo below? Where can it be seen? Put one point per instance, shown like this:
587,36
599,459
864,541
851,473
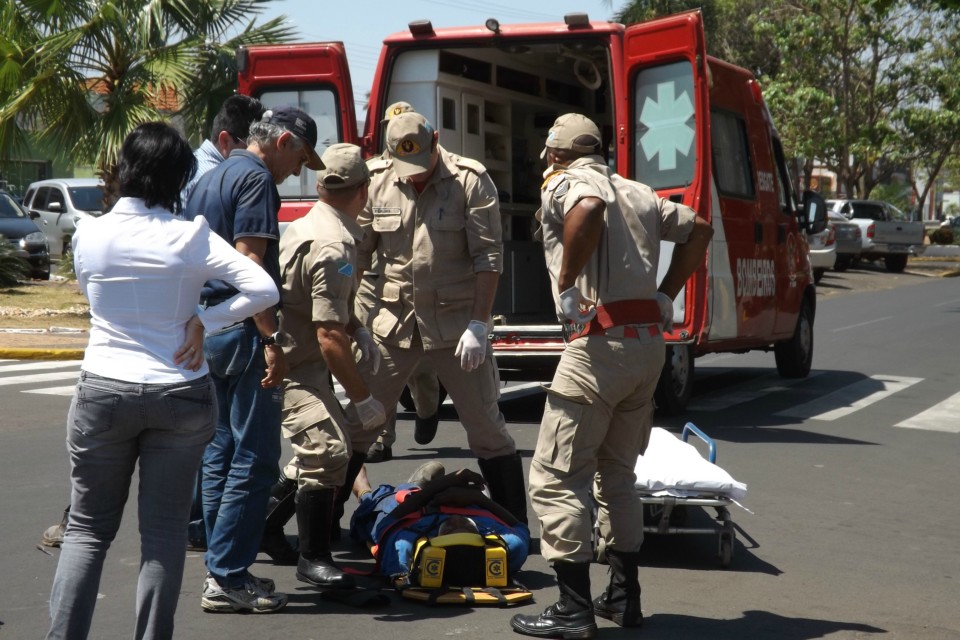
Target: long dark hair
155,163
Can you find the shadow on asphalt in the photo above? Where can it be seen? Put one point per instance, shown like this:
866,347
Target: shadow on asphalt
753,624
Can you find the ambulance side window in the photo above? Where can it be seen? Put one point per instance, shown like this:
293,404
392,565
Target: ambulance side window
664,126
732,165
321,104
784,194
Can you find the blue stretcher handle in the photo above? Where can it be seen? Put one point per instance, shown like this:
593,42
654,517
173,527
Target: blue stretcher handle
692,428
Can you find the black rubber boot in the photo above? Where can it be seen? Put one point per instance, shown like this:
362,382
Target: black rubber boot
280,509
343,493
425,429
504,476
571,618
621,601
315,567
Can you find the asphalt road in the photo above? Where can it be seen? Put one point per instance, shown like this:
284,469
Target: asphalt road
851,475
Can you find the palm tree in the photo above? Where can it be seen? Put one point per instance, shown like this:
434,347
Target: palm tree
80,75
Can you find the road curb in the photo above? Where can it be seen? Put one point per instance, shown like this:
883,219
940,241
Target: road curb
41,354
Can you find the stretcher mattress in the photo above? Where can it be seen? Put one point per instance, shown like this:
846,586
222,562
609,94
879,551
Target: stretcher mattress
673,467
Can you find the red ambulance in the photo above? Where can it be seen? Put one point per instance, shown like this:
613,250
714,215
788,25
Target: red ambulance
691,126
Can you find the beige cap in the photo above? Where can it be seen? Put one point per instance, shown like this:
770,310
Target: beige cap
396,109
409,143
344,167
572,131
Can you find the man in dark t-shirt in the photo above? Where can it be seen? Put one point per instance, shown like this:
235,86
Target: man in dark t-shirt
240,201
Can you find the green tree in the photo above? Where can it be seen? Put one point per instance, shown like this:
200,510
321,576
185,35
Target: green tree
83,74
728,28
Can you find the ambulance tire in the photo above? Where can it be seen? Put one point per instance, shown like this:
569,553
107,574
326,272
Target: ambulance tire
406,400
676,381
795,356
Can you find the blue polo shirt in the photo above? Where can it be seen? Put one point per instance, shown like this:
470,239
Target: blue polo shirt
239,199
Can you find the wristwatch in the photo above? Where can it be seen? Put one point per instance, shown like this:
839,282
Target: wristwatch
277,338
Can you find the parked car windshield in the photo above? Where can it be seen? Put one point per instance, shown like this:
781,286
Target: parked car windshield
9,208
88,199
867,210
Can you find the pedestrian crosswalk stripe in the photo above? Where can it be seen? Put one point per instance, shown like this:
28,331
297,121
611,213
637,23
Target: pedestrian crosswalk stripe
54,391
38,366
944,416
39,377
851,398
755,388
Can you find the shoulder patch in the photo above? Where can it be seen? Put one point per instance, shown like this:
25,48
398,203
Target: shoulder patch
556,182
344,268
470,164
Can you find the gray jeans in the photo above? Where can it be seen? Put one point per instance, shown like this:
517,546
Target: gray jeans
111,426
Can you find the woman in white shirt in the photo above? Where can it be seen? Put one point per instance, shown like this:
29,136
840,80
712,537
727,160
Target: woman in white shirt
144,394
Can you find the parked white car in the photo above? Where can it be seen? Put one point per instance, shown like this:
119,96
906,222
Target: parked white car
822,252
57,206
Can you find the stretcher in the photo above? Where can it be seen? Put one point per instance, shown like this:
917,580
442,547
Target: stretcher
673,476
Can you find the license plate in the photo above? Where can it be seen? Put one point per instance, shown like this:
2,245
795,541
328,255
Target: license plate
899,248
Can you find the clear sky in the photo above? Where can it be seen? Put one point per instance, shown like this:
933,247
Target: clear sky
362,24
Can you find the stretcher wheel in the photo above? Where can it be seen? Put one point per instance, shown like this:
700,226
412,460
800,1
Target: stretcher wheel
727,538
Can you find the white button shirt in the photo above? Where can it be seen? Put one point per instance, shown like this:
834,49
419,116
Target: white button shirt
142,269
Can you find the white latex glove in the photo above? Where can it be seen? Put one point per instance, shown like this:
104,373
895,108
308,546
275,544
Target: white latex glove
472,347
368,348
572,303
371,413
666,311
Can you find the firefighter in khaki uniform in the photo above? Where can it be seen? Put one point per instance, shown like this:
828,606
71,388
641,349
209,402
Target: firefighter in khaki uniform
601,236
423,384
318,258
433,220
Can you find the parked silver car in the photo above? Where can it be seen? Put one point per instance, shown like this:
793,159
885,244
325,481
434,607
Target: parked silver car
57,206
848,240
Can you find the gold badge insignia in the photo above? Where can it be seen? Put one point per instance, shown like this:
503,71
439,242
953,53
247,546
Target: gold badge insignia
408,148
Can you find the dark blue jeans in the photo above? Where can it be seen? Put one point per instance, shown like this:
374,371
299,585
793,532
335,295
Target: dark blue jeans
240,463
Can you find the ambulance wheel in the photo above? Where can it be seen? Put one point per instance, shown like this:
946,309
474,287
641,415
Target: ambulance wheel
896,263
676,380
406,400
795,356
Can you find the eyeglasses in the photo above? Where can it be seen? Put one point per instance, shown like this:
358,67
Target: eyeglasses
239,140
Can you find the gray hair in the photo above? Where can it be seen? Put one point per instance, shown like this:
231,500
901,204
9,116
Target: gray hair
264,134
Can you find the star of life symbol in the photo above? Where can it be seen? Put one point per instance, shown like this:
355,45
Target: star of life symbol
667,130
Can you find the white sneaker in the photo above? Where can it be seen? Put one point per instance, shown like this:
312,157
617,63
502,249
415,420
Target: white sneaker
252,597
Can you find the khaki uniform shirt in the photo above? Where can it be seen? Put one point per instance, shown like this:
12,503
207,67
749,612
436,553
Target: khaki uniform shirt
624,265
429,248
318,258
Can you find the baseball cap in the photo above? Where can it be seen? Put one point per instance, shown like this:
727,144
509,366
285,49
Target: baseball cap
396,109
572,131
343,167
409,141
297,122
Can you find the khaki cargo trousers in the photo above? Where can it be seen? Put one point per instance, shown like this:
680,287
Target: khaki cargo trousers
596,423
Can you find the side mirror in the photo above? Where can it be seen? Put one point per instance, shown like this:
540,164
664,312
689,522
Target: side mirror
814,215
56,207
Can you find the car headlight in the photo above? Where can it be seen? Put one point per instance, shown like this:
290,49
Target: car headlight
35,238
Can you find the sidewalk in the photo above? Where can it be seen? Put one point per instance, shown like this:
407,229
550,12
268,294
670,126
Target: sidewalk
30,344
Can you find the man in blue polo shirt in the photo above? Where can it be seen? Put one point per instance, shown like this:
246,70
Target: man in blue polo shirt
240,201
